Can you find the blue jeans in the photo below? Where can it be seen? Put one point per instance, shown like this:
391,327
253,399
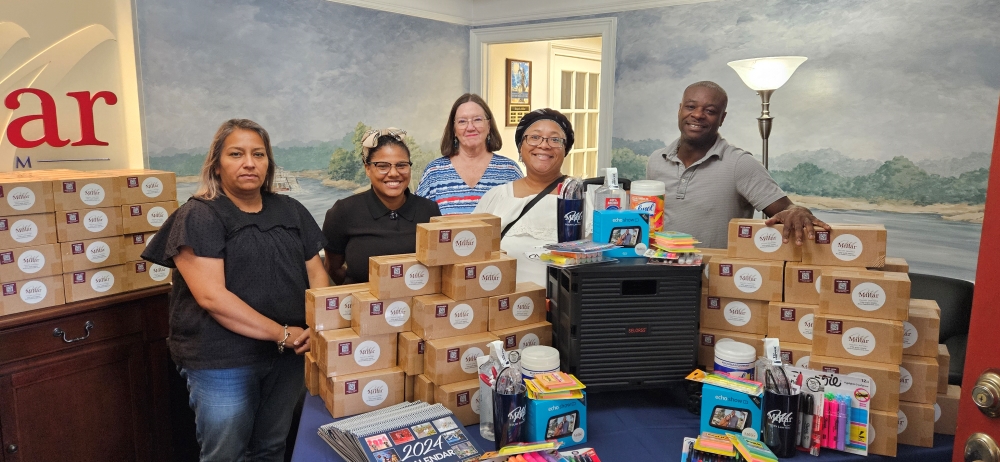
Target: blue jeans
244,413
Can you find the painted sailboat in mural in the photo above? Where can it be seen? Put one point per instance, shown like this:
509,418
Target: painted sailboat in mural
285,181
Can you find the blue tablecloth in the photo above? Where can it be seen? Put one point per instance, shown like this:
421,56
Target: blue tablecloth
622,426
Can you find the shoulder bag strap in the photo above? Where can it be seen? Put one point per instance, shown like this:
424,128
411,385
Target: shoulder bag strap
531,204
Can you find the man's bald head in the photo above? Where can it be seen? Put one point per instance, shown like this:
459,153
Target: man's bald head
723,98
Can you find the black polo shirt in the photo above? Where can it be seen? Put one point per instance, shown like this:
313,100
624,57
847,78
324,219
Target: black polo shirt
361,226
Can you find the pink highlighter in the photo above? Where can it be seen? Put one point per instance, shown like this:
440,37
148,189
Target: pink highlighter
835,435
827,421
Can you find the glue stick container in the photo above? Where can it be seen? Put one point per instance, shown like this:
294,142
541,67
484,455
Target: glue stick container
539,359
647,196
735,359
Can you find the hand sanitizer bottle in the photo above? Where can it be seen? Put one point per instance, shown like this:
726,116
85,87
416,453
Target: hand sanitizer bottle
610,196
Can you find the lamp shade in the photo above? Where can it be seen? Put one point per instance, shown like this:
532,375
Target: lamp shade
766,73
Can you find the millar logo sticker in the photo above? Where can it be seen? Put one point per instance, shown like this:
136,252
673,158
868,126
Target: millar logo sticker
375,309
453,355
822,237
745,231
350,387
444,235
470,272
842,286
714,303
726,270
396,271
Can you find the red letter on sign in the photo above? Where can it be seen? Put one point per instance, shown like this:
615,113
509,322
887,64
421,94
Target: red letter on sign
48,118
86,103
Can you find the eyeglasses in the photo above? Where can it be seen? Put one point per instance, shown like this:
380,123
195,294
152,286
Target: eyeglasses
554,141
478,122
384,167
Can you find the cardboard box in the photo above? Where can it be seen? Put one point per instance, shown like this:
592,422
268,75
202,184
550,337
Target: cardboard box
142,218
30,262
85,190
83,224
563,420
921,331
141,186
526,305
371,315
739,315
916,424
312,374
479,279
946,410
453,359
27,230
876,340
134,244
895,265
707,339
706,257
329,308
364,392
408,387
944,367
410,353
423,389
343,352
92,283
883,377
802,281
394,276
796,354
521,337
918,379
925,305
746,279
866,294
31,294
751,239
437,316
462,399
25,196
93,253
141,274
447,242
791,322
487,218
882,431
846,245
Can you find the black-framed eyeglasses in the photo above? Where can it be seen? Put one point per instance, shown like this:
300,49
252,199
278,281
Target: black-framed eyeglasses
384,167
554,141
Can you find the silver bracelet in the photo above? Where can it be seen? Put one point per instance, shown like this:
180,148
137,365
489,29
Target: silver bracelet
281,343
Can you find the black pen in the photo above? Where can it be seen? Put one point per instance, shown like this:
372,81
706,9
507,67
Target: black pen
807,420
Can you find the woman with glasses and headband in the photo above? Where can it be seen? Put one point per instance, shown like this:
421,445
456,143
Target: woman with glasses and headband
468,166
543,138
380,221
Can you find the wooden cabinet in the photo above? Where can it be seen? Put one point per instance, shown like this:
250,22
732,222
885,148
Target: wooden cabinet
86,381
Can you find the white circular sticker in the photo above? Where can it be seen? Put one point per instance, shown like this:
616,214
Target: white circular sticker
149,239
737,313
868,296
476,402
98,251
158,273
345,307
490,278
578,435
640,249
397,314
367,353
464,243
469,360
523,308
156,216
806,326
33,292
868,378
847,247
152,186
95,221
461,316
20,198
871,434
817,282
901,426
767,239
528,340
858,341
24,231
102,281
910,334
905,380
803,362
92,194
416,277
375,393
749,432
31,261
937,412
705,272
748,280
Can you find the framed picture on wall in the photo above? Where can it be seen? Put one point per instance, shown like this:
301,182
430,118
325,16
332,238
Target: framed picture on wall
518,90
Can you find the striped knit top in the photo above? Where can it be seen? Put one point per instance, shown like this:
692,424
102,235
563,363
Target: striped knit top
442,184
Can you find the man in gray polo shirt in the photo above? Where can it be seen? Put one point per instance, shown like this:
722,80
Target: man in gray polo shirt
709,182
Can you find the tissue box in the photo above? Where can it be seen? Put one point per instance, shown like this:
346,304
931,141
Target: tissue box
729,411
627,228
563,420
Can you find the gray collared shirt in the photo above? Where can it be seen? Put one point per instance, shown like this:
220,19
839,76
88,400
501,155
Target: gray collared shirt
701,199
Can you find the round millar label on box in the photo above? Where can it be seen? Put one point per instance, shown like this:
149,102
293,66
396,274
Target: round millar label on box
95,221
98,251
345,307
867,377
152,187
871,435
461,316
102,281
416,277
375,393
156,216
817,282
910,335
528,340
149,239
523,308
858,341
24,231
158,273
469,360
846,247
868,296
21,198
803,362
748,280
806,326
464,243
367,353
31,261
490,278
901,425
397,314
33,292
705,272
475,402
905,380
937,412
767,239
92,194
578,435
737,313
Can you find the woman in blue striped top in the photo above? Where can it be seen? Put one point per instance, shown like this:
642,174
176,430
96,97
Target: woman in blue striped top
468,166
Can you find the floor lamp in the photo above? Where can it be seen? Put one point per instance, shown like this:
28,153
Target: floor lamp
764,75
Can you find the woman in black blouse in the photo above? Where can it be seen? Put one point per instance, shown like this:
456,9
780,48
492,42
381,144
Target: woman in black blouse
380,221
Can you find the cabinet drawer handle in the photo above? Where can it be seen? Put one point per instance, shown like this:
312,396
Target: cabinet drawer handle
61,333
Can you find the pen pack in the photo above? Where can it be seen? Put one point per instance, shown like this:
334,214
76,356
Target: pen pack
840,410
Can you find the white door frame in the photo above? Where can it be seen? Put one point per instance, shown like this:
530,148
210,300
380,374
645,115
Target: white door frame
607,28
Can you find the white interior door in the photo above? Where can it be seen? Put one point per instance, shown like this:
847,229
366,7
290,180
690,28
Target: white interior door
575,82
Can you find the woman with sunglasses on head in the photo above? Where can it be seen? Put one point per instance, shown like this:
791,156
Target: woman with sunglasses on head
380,221
468,166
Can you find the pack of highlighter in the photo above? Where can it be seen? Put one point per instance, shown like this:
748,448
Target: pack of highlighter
839,416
